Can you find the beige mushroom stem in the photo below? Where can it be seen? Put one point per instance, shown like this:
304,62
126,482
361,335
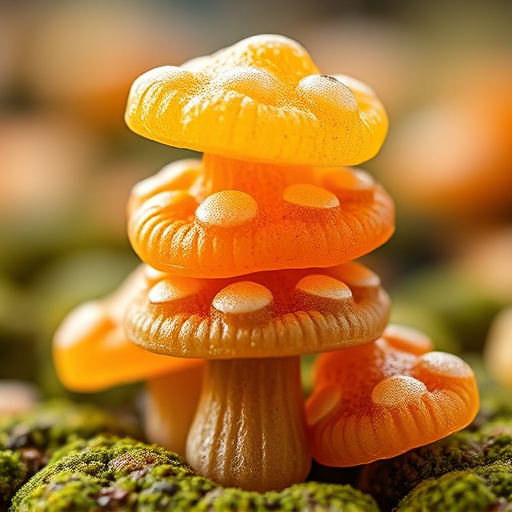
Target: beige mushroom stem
170,407
249,430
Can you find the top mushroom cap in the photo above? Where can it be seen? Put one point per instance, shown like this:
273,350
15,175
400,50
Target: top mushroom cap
385,398
260,99
91,351
266,314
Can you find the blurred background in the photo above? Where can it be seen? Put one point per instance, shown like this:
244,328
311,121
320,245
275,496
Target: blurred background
68,162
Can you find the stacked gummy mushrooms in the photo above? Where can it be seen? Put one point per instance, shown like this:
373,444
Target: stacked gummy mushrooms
248,265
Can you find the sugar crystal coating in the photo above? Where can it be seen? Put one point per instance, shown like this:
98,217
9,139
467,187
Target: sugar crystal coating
324,286
242,297
169,290
264,314
327,92
310,196
350,179
237,217
440,364
252,82
397,391
355,274
395,397
228,208
213,104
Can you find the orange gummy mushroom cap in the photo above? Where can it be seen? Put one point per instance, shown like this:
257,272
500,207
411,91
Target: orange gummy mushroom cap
91,351
278,217
385,398
261,99
267,314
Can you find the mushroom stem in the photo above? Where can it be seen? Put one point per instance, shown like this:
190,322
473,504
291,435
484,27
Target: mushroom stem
170,407
259,180
249,429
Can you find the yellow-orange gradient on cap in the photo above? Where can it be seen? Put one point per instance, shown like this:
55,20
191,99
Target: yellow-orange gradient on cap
261,99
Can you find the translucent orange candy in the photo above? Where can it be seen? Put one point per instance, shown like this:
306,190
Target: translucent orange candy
267,314
261,99
223,217
382,399
91,351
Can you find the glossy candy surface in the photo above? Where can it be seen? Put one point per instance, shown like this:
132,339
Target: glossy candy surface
91,351
267,314
261,99
384,398
223,217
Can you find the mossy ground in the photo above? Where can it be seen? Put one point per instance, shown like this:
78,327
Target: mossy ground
62,456
110,473
27,442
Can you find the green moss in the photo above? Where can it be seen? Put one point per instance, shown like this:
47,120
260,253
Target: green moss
451,492
55,423
13,472
109,473
483,489
390,480
29,441
312,496
86,468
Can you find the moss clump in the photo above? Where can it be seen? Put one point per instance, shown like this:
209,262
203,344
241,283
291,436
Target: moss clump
485,489
13,472
109,473
310,496
79,476
390,480
27,442
52,424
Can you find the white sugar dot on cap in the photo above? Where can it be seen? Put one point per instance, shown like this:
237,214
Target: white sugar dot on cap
398,390
350,179
242,297
228,208
254,83
310,196
356,274
444,365
170,290
325,287
327,91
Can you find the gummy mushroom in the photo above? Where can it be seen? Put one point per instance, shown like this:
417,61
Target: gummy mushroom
387,397
249,430
267,101
92,353
261,217
269,192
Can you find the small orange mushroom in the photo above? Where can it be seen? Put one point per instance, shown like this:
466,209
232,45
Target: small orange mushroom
91,353
249,430
384,398
223,217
